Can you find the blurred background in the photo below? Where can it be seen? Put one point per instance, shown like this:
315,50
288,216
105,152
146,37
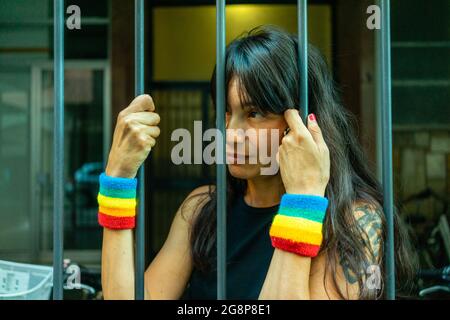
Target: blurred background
180,56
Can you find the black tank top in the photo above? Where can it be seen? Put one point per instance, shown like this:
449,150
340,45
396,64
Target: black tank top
249,251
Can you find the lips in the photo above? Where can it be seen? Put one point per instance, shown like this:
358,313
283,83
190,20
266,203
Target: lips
236,156
233,157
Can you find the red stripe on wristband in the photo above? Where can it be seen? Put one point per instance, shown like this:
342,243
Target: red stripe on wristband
304,249
111,222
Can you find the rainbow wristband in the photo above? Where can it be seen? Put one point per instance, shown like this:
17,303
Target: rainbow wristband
117,202
297,227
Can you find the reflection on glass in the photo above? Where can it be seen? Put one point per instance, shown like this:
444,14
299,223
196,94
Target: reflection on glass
14,161
84,101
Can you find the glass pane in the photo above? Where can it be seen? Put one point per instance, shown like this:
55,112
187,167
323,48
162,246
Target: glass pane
15,236
84,105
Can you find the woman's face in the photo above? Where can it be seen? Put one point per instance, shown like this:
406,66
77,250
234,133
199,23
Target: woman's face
251,136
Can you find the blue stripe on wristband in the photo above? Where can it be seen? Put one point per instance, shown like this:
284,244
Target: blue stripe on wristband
304,206
117,186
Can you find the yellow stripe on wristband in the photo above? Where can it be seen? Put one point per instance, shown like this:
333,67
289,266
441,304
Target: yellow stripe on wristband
297,229
299,223
116,212
118,203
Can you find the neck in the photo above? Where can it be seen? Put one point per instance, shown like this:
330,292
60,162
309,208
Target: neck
264,191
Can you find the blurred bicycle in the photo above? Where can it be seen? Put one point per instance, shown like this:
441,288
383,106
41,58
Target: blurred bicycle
432,234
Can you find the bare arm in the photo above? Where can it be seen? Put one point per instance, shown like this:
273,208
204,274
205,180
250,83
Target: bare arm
291,276
287,278
117,264
168,273
134,135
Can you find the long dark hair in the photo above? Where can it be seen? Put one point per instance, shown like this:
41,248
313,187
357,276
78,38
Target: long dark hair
264,60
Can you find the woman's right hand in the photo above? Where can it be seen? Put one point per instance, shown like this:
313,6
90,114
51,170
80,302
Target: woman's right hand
134,136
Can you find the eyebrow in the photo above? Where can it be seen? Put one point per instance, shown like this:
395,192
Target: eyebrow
247,104
244,105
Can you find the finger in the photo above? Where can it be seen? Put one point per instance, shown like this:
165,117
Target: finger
146,141
146,118
152,142
143,102
295,122
315,130
151,131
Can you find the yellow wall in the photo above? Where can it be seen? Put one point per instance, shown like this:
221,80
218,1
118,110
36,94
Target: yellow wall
185,37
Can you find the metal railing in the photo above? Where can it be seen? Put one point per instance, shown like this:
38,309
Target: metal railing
385,96
386,143
58,152
139,89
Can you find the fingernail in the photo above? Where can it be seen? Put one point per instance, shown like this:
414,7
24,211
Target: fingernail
312,117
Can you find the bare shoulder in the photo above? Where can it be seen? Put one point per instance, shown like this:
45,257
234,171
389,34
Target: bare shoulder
367,229
178,236
169,272
194,202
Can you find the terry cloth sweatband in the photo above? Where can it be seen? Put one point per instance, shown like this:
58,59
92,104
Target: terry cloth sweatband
297,227
117,202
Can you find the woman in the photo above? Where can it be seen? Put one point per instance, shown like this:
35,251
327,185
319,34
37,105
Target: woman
322,159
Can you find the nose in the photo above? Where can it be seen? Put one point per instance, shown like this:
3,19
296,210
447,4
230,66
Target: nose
235,131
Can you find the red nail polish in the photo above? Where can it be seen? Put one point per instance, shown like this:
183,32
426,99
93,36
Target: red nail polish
312,117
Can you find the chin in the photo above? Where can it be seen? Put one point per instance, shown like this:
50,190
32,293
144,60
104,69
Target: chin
244,171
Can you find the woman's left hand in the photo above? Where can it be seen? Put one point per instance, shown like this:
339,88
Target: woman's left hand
303,156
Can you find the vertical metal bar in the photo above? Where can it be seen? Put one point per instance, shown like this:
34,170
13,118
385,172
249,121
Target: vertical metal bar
378,139
302,26
386,117
58,149
139,89
34,168
107,91
221,166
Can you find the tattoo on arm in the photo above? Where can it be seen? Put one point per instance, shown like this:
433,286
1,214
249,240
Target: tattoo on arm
349,274
369,221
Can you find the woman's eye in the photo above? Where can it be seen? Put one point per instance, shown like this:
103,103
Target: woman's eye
255,114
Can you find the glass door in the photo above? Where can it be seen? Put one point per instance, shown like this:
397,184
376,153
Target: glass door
87,138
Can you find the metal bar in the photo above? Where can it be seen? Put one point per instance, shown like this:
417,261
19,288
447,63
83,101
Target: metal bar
34,162
386,122
221,166
302,26
58,149
139,89
378,139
